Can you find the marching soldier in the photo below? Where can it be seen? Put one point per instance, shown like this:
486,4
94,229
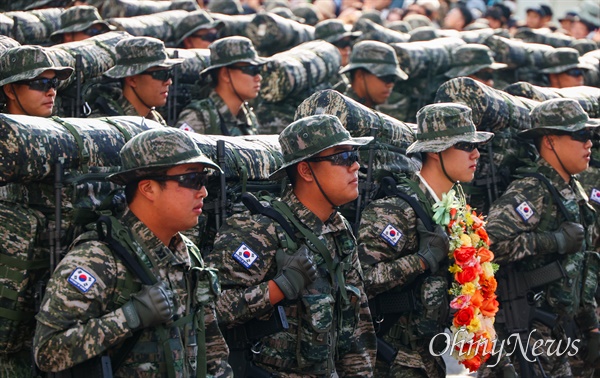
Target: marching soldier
197,30
79,23
474,61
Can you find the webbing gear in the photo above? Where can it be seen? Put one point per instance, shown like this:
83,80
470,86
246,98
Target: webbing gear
255,207
554,192
390,189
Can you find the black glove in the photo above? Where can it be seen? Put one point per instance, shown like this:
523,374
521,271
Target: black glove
433,245
151,306
566,240
294,271
593,347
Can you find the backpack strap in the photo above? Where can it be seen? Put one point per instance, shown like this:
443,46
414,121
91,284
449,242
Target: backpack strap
255,207
390,189
553,191
84,154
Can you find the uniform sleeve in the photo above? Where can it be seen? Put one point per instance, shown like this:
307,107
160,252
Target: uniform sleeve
387,245
193,118
217,351
244,254
513,220
73,324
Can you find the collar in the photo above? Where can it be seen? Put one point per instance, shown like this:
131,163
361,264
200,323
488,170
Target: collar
428,187
334,223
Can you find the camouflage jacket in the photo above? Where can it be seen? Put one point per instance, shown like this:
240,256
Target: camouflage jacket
77,323
212,116
106,105
347,338
395,106
590,181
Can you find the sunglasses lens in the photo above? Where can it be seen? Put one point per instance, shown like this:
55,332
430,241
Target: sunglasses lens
346,158
388,79
210,37
248,70
582,135
92,32
464,146
195,180
43,84
575,72
162,75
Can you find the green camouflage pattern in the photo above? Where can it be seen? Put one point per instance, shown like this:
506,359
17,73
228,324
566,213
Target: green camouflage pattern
231,50
299,69
158,148
375,32
137,54
6,43
591,76
307,136
158,25
428,33
245,296
584,46
230,7
509,51
470,59
273,117
28,62
195,61
479,36
561,60
235,25
308,12
544,37
333,30
132,8
442,125
376,57
372,15
417,20
418,59
286,12
271,33
559,114
34,27
78,18
193,22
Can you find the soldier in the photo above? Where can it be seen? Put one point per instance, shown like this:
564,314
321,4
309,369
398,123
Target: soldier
540,229
401,258
474,61
268,273
372,71
235,71
563,68
146,74
231,7
335,32
97,304
29,78
79,23
197,30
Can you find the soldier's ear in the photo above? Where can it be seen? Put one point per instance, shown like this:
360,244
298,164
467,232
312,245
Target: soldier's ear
9,91
147,188
304,171
130,81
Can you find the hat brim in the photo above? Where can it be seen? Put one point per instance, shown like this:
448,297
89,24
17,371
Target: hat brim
62,73
566,67
131,175
280,173
212,25
442,144
592,123
55,37
120,71
338,36
378,70
258,61
469,70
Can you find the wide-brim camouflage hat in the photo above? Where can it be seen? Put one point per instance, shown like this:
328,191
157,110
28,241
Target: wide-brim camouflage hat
376,57
558,115
470,70
135,55
28,62
232,50
231,7
194,21
333,30
156,149
471,58
440,126
308,136
79,18
561,59
589,11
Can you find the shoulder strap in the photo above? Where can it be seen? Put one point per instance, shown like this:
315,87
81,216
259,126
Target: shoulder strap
390,189
255,207
553,191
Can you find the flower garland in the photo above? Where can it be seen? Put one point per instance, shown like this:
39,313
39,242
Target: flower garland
474,300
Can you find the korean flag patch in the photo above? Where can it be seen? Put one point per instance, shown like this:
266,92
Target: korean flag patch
391,234
524,210
245,256
82,280
595,195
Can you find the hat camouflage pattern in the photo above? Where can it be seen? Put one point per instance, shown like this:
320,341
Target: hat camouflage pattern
231,7
376,57
308,12
231,50
6,43
194,21
286,12
333,30
561,59
559,115
135,55
589,11
440,126
311,135
471,58
79,18
28,62
158,148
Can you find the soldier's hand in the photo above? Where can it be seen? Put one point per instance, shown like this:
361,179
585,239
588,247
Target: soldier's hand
569,237
151,306
433,245
294,271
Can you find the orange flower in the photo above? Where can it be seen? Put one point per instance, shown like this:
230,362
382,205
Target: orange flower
453,213
489,307
464,254
485,254
488,286
468,274
464,316
477,222
483,235
477,299
472,364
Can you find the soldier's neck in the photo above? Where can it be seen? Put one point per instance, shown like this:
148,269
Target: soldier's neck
233,102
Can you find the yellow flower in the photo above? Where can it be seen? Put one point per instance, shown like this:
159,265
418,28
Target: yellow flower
465,240
468,219
468,288
474,238
454,269
474,325
488,269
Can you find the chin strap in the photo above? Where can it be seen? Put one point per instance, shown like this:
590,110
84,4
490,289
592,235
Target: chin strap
368,95
236,92
558,158
335,207
142,101
444,170
12,88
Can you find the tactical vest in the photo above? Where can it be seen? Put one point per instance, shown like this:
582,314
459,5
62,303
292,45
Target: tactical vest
217,125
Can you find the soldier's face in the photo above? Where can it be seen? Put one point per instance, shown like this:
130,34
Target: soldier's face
246,81
460,164
200,39
579,30
32,102
377,89
153,91
567,79
533,20
575,155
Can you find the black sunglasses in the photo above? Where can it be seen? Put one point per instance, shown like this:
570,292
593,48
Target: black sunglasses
484,75
42,84
344,158
342,43
248,70
209,37
162,75
466,146
92,32
574,72
583,135
388,79
192,180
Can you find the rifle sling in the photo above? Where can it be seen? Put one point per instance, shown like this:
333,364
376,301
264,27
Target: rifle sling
390,189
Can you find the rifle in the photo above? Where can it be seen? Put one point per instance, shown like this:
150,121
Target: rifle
221,213
78,70
172,99
366,187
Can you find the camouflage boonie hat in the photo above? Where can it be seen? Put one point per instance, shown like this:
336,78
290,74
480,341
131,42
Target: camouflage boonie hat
558,115
135,55
333,30
194,21
79,18
376,57
28,62
471,58
589,11
562,59
309,136
158,149
441,126
308,12
231,7
231,50
286,12
6,43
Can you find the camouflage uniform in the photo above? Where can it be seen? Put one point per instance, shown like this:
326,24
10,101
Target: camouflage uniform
110,102
194,21
388,245
590,181
518,223
327,333
82,314
79,18
560,60
470,59
211,115
333,31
